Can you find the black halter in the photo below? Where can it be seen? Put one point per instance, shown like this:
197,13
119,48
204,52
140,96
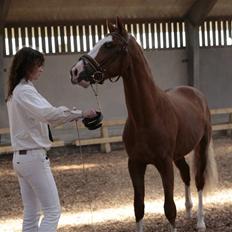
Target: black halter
94,71
95,67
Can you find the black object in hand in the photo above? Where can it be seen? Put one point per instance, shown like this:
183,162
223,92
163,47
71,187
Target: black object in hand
93,123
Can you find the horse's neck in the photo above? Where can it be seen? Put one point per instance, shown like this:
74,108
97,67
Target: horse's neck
141,93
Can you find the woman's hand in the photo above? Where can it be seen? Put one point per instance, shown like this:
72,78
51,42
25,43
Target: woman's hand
89,113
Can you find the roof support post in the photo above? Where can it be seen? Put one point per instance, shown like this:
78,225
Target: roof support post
3,111
199,10
1,66
192,44
3,13
194,17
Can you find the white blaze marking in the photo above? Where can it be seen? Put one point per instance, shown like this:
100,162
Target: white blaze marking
93,53
79,66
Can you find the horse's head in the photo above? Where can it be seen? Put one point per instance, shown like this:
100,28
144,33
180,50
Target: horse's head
106,60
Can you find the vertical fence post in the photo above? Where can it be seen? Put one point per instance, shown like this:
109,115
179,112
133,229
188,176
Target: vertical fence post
105,147
229,131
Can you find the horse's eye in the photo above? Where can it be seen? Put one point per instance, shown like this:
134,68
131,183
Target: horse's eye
108,45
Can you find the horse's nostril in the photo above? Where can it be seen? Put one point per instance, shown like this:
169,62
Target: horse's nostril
75,72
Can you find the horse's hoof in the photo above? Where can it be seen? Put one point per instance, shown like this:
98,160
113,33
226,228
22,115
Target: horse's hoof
139,226
201,227
172,229
201,230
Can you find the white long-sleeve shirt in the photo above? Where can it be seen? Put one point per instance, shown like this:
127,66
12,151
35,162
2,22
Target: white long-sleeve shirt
29,113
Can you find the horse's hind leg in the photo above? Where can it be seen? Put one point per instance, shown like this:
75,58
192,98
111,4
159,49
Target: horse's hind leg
137,172
200,164
200,158
165,168
183,167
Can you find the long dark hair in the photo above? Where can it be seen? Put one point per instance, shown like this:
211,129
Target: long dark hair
24,61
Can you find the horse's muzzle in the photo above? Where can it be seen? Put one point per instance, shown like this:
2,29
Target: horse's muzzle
74,80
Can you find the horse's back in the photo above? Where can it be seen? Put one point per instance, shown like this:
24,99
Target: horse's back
189,98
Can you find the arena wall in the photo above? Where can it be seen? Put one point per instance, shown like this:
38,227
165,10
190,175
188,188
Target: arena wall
169,68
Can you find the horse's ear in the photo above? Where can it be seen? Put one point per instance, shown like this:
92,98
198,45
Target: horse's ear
110,26
120,27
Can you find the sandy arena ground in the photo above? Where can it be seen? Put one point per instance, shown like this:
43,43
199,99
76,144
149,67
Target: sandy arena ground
99,197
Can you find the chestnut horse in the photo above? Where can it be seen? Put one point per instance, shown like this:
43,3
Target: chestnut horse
162,126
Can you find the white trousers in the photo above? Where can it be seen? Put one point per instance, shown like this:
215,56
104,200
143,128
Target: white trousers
38,191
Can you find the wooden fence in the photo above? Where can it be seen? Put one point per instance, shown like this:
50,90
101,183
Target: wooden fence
105,139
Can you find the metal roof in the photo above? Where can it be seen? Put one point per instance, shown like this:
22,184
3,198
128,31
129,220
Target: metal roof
65,11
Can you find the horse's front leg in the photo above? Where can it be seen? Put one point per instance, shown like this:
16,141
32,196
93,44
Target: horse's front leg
137,172
165,168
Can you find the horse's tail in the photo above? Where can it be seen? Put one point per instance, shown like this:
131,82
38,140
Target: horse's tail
210,174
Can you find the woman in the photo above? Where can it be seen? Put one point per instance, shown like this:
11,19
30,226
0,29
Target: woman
29,115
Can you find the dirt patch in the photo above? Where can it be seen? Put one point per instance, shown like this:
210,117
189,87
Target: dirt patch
99,196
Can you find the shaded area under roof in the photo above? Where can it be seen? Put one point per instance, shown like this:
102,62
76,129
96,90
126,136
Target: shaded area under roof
65,11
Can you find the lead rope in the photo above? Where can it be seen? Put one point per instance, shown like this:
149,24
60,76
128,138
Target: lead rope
85,177
95,91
